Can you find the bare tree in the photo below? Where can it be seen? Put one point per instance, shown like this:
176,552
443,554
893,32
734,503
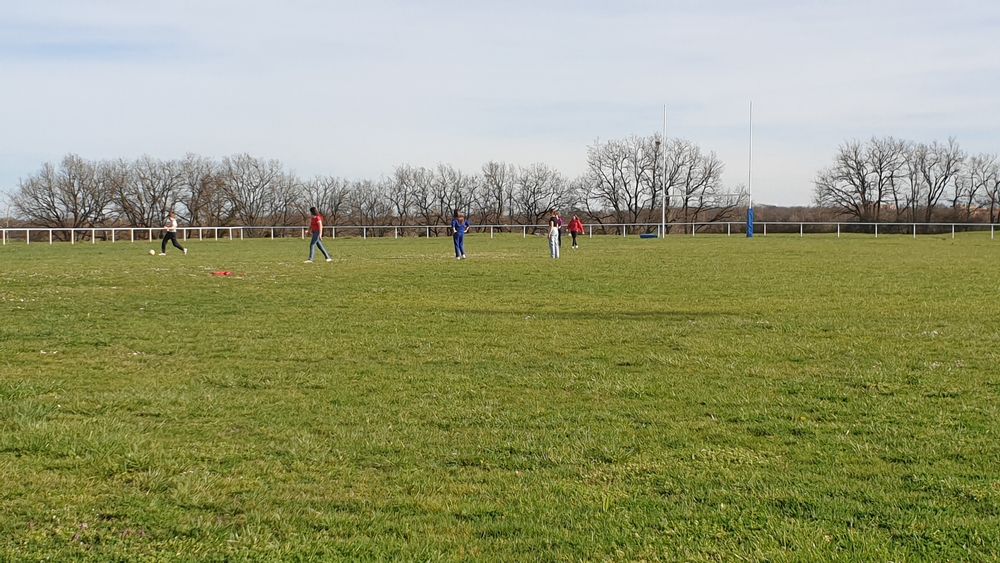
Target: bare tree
935,166
73,195
402,192
146,190
970,187
643,160
887,168
250,186
496,193
612,182
330,195
696,181
425,199
287,201
453,190
539,189
203,194
368,202
628,178
984,174
864,177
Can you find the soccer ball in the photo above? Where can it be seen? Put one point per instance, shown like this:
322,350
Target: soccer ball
152,252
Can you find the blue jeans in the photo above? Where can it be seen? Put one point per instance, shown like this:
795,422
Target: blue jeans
459,245
313,243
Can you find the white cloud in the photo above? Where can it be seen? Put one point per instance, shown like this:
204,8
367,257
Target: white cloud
355,88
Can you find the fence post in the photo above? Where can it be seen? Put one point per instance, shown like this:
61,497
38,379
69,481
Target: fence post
876,230
729,229
396,232
27,236
800,230
241,233
50,236
364,233
590,231
491,231
765,229
952,230
72,237
272,233
524,232
334,229
93,236
914,230
838,230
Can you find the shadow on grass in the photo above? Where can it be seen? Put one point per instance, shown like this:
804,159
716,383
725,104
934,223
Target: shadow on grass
585,315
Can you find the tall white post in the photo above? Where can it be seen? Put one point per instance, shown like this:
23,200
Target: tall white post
750,214
663,179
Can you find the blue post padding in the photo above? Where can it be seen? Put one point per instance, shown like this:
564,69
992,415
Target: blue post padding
750,222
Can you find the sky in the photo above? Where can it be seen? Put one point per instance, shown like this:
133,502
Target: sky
353,89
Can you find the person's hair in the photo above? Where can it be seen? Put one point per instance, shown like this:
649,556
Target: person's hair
313,211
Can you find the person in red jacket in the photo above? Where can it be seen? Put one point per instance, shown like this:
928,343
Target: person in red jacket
316,236
575,228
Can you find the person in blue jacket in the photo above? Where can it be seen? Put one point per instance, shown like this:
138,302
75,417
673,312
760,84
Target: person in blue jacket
459,226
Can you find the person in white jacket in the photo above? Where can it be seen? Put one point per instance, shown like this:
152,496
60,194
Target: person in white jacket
554,236
170,233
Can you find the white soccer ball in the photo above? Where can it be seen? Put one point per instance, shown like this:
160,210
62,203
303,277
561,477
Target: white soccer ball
152,252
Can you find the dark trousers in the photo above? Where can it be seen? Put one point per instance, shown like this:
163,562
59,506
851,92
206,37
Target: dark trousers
572,234
172,237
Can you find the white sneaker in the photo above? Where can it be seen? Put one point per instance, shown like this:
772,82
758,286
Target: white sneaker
309,262
185,252
463,257
163,254
329,259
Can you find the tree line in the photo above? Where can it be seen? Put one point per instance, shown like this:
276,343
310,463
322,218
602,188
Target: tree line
894,180
880,180
625,182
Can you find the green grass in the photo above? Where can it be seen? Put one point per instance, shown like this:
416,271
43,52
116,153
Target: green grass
696,398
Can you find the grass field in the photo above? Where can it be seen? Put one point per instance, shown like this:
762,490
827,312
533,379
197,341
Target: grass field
695,398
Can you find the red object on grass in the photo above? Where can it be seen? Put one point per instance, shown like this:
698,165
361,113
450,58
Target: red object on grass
222,274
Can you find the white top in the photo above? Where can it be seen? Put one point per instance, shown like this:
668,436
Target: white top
171,224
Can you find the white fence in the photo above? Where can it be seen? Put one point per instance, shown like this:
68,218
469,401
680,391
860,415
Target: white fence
27,235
